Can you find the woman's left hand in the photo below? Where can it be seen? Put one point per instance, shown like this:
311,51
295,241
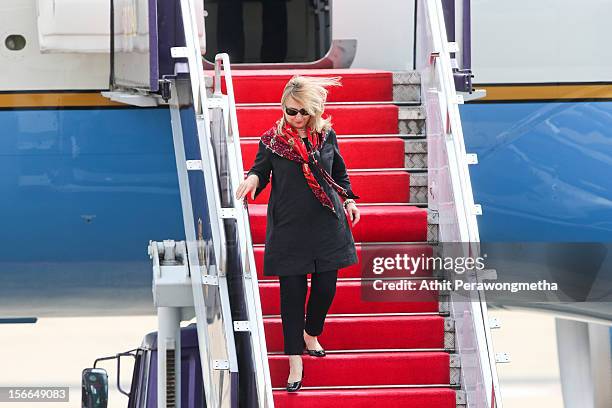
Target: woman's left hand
353,213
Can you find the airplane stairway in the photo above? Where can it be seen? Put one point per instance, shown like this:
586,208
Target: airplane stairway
415,194
393,353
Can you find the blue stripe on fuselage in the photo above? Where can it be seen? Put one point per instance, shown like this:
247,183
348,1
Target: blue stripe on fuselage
544,170
83,191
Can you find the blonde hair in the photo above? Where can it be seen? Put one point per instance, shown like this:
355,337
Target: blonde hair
312,93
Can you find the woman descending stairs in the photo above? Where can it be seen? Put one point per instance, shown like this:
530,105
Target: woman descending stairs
393,353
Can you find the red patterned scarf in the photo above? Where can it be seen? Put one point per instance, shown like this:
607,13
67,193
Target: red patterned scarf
291,146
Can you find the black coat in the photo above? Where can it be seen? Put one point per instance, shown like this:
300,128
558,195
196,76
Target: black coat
303,236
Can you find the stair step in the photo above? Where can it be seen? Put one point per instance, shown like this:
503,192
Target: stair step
411,119
371,187
362,119
402,186
403,136
378,223
389,353
367,398
389,332
373,314
405,368
349,299
328,104
266,86
356,152
364,251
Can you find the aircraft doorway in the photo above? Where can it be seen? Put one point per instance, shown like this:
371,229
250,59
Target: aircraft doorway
268,31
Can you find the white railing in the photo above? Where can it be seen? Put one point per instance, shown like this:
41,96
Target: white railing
231,139
221,164
207,251
450,194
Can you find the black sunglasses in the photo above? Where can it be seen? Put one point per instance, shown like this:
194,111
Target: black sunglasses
293,112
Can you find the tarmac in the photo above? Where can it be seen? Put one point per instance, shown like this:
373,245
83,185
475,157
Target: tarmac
54,351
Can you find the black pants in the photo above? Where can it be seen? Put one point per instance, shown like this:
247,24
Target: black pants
293,297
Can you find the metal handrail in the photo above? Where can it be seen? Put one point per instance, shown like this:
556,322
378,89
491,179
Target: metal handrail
194,59
462,193
251,284
215,387
444,68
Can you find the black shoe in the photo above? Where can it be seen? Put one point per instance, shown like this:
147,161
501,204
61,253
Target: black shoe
314,353
294,386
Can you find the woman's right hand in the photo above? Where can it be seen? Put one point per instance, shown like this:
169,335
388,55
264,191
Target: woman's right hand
248,185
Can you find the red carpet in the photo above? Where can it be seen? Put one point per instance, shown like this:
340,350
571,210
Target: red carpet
395,368
394,223
266,86
357,152
371,187
346,119
382,332
366,253
368,398
348,299
360,319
